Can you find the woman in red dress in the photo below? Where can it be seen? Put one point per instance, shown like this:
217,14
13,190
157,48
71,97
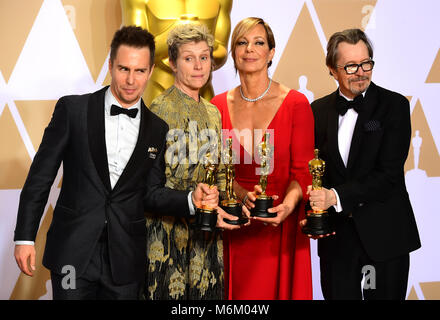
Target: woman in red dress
270,258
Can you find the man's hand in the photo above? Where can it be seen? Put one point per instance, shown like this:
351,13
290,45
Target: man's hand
302,224
25,257
321,199
203,195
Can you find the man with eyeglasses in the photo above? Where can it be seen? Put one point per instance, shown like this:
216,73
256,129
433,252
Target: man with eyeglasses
363,133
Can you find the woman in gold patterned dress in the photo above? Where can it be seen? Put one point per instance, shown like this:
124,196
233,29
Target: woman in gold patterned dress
183,262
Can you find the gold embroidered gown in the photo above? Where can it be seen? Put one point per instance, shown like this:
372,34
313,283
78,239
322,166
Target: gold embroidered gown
182,262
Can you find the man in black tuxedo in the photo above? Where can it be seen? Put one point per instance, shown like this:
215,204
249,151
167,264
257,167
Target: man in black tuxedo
364,143
112,148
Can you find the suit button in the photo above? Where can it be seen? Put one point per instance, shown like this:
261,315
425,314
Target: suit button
108,201
360,204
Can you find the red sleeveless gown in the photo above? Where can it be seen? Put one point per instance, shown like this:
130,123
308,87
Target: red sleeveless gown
263,262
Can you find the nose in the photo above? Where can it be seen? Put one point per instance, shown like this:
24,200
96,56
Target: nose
130,77
197,64
249,47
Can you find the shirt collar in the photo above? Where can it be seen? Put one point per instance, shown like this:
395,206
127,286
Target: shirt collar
110,99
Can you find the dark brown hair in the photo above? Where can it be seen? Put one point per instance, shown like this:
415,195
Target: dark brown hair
132,36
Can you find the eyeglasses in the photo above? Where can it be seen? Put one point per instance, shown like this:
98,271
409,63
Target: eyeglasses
352,68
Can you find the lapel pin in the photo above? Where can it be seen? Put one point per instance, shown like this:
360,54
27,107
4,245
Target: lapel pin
152,152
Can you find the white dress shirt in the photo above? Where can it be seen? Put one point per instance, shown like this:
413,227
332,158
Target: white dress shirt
347,122
121,135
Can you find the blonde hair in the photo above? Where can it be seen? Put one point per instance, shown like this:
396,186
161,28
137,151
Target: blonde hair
186,33
243,27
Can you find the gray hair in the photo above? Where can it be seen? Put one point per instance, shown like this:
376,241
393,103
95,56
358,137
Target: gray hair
351,36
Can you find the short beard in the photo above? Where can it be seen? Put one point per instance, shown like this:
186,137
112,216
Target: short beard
355,91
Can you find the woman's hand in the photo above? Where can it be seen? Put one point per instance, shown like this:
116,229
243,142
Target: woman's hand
221,214
283,210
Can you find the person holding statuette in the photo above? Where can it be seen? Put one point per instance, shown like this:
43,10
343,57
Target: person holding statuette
270,257
110,176
363,133
185,262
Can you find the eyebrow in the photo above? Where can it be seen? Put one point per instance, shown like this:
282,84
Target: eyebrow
122,66
353,62
254,38
190,51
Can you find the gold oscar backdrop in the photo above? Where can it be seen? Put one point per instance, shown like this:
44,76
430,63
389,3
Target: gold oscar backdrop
52,48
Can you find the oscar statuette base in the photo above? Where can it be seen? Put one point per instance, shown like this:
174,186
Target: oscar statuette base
206,219
235,210
261,206
318,223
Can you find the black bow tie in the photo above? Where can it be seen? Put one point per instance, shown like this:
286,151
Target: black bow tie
115,110
343,104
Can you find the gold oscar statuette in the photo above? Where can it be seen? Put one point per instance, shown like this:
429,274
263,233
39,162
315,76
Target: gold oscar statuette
231,205
263,201
318,221
206,217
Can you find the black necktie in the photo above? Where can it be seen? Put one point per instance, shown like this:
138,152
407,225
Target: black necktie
115,110
343,104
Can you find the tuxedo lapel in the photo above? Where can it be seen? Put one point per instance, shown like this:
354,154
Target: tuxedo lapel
370,101
333,126
96,135
140,152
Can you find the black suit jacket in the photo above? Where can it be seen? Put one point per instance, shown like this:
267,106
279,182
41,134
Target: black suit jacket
76,137
372,187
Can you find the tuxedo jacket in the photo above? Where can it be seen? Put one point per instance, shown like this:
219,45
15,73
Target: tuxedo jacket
372,187
75,136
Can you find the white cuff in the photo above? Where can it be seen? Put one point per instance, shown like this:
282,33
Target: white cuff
23,242
337,206
192,210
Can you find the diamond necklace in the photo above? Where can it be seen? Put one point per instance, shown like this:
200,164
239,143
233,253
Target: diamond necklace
257,98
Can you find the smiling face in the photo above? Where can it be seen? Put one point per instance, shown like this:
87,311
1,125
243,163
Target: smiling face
192,67
252,53
351,85
130,71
